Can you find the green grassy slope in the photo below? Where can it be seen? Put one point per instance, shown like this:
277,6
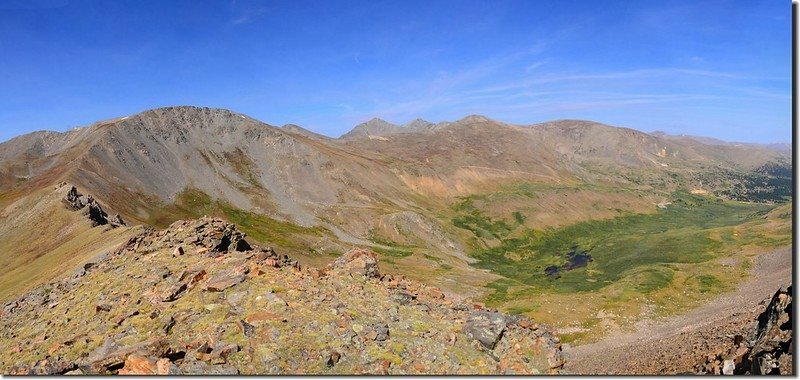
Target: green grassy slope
40,240
636,258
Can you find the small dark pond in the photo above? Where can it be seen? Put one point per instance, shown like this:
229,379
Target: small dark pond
575,259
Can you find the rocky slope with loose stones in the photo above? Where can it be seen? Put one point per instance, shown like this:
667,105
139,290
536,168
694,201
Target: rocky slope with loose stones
196,298
763,345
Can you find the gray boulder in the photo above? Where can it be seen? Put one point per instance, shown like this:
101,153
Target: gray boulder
485,327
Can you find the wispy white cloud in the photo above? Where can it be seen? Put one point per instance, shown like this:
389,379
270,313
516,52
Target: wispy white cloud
245,14
531,90
634,75
536,84
535,65
345,106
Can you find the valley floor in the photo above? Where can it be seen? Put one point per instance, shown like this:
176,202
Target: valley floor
680,343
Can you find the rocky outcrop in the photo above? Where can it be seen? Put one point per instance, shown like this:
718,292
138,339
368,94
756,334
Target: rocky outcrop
770,352
486,327
213,236
182,301
356,261
764,348
76,201
226,279
73,199
95,213
117,221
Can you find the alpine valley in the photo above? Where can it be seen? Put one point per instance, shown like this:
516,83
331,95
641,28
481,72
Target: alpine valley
187,240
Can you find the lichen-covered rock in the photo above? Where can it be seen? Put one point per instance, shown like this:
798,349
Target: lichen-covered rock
380,332
226,279
110,355
138,365
357,261
171,291
166,367
46,367
485,327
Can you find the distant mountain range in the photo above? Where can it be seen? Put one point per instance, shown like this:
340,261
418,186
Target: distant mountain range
141,162
296,173
781,147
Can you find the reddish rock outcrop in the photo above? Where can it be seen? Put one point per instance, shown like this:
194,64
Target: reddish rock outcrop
356,261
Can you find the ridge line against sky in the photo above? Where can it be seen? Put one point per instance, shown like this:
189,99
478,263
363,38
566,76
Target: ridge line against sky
714,68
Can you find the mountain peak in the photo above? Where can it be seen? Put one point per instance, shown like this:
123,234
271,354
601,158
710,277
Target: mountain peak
379,127
377,121
183,111
418,121
416,125
167,120
470,119
374,126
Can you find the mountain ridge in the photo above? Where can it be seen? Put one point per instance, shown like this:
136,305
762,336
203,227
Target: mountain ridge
415,125
232,145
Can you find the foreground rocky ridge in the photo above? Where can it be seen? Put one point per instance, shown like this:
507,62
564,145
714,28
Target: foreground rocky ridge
196,298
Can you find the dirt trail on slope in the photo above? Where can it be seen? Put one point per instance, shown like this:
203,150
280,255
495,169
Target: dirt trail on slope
675,344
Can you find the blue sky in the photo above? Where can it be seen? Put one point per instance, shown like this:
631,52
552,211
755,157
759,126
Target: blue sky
713,68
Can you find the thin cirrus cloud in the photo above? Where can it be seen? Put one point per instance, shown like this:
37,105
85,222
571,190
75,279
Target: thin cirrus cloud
246,13
247,16
464,89
535,94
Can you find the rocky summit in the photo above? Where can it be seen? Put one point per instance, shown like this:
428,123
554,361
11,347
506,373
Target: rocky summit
197,298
